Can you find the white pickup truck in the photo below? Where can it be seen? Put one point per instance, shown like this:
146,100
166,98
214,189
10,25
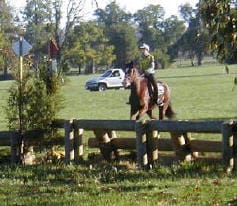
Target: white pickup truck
112,78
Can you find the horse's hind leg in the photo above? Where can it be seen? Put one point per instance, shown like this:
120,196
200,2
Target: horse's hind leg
161,112
150,114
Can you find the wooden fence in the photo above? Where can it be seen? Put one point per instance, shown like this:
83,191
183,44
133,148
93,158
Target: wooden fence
146,140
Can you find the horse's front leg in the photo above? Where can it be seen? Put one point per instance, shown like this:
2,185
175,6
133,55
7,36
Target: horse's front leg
144,108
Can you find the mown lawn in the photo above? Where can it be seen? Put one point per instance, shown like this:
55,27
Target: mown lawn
110,184
197,93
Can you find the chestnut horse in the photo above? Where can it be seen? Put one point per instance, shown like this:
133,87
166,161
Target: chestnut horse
140,100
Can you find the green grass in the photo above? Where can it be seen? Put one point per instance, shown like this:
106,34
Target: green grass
197,93
107,184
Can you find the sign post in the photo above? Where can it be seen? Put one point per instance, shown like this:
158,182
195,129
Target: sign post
21,48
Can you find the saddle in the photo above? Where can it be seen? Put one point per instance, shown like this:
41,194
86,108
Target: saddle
161,91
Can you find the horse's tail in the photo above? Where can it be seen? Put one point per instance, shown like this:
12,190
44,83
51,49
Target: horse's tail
169,113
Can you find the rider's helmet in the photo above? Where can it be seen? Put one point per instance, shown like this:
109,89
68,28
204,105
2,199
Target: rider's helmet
145,46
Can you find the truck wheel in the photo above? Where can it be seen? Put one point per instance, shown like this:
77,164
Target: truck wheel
102,87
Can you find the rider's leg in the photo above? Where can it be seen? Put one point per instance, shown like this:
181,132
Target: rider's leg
155,88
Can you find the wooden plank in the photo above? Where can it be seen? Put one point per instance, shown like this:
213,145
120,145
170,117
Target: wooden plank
206,146
164,144
124,125
58,123
5,138
186,126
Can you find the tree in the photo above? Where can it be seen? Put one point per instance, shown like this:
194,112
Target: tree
194,41
158,32
6,35
37,16
118,29
88,46
125,44
220,20
112,15
73,16
33,104
150,25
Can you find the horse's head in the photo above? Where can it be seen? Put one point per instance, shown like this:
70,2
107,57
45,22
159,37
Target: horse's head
131,74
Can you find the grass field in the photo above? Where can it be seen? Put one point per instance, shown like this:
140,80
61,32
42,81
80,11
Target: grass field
197,93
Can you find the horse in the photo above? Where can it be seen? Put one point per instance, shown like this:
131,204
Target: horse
140,99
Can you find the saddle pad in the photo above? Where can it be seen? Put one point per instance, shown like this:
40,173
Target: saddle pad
161,89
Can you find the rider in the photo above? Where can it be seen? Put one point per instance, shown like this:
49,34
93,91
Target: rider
147,65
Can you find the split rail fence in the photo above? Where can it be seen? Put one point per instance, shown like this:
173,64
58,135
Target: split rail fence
146,140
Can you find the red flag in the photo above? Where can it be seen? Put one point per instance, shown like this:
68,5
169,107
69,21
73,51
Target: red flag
53,49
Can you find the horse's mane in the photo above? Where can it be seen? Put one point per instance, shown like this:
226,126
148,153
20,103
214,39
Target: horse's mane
133,65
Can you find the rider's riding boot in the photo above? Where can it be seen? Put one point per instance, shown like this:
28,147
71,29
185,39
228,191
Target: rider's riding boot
155,93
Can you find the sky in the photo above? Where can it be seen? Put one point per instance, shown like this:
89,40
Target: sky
170,6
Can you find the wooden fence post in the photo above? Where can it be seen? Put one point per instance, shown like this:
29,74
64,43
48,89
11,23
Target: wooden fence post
78,142
141,144
69,141
228,146
152,146
235,145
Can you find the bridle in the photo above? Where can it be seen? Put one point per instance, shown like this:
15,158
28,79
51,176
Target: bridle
132,75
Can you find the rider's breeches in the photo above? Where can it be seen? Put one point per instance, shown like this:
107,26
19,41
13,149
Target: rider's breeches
152,79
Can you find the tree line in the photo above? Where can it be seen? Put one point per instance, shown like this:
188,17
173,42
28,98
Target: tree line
113,36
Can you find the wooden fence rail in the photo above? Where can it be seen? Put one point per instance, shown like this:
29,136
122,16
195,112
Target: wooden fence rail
164,144
187,126
145,140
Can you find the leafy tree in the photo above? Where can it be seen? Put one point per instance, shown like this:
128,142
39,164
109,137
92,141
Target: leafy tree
119,31
194,42
88,46
150,25
112,14
33,104
123,38
220,20
73,16
158,32
37,16
6,34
